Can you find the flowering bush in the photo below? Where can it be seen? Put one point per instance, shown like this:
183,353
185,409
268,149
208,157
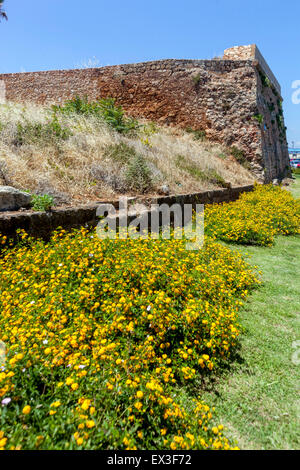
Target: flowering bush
255,218
101,334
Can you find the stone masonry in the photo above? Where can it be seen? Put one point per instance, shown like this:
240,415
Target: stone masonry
236,100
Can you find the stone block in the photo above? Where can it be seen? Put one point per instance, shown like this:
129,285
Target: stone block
11,199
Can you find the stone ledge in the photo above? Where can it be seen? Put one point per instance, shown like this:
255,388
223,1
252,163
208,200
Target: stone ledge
42,224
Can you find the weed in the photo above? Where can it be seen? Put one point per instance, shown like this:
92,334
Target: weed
259,118
199,134
196,79
42,202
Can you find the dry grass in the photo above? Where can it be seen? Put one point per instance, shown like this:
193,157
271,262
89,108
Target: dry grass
83,167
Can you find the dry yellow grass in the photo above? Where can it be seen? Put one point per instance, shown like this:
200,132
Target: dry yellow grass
81,169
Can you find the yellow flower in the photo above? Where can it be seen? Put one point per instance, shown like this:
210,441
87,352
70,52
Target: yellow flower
85,405
26,410
90,424
55,404
139,394
3,442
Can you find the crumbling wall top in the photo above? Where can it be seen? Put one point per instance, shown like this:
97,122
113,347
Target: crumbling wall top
251,52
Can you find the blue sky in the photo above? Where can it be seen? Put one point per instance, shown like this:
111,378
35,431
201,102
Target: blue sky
59,34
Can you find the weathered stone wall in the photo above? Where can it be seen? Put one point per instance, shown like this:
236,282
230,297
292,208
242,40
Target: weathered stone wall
273,132
253,53
218,96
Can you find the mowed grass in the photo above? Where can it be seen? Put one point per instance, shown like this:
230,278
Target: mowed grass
295,187
258,397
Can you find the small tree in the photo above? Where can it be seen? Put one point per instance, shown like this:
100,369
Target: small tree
2,12
138,175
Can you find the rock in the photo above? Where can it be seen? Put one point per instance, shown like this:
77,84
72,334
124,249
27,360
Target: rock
286,181
275,182
11,199
165,189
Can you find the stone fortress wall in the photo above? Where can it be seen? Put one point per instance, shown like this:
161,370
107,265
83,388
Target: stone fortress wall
235,99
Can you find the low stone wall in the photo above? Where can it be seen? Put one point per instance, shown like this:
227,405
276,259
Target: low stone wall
42,224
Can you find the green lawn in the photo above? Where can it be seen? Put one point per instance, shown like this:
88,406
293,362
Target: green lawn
258,398
295,187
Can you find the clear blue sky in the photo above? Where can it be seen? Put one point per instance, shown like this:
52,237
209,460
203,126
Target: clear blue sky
59,34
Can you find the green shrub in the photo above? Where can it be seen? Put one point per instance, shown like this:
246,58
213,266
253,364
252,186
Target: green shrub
78,106
214,177
104,108
239,155
264,80
42,202
121,152
196,79
39,132
115,118
138,175
198,134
